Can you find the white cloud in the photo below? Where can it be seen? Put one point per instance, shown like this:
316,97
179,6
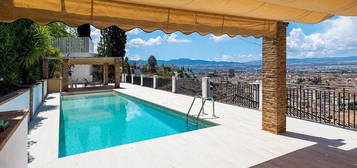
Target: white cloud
218,39
133,31
172,38
134,57
237,58
95,35
338,39
223,58
138,42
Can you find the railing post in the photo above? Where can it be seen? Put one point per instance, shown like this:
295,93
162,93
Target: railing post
122,78
132,78
205,87
260,95
142,80
173,84
154,80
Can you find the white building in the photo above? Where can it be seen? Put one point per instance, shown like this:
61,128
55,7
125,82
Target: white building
77,47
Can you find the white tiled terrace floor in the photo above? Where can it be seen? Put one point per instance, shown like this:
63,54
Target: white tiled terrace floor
237,142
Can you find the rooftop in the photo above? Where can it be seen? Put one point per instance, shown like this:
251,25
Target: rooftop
238,141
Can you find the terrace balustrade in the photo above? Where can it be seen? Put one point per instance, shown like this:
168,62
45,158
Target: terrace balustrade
336,107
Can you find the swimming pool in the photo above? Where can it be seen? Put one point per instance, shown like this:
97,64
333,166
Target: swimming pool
96,121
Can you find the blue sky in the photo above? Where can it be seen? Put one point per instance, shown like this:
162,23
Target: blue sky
331,38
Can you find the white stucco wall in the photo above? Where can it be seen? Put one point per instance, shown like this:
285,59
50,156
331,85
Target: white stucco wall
14,152
37,97
19,103
81,72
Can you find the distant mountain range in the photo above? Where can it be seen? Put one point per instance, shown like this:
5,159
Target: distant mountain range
205,64
194,64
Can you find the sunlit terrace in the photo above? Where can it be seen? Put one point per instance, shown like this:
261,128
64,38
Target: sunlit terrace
238,140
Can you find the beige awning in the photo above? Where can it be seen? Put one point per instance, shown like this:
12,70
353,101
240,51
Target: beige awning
232,17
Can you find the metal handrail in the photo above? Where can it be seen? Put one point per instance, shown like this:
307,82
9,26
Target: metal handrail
214,112
199,113
189,110
201,109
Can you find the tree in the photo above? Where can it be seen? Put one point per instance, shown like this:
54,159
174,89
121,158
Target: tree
126,66
58,30
32,42
112,44
152,63
23,44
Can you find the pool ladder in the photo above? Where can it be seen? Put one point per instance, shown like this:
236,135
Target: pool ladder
201,109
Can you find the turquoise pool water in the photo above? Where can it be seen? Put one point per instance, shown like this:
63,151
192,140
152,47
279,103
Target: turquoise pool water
95,121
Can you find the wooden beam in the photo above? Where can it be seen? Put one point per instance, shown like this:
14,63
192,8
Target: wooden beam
90,61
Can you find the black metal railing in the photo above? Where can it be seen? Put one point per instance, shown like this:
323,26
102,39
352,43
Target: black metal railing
241,94
148,82
128,79
190,87
329,105
137,80
324,106
164,84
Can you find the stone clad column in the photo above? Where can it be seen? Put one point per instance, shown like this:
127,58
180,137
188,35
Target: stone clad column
117,72
274,81
105,73
65,71
45,68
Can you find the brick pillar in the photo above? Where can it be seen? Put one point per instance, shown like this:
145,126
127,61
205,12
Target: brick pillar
65,71
45,68
105,73
117,73
274,81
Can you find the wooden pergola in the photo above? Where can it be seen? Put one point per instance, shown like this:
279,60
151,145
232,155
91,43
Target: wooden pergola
69,61
258,18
